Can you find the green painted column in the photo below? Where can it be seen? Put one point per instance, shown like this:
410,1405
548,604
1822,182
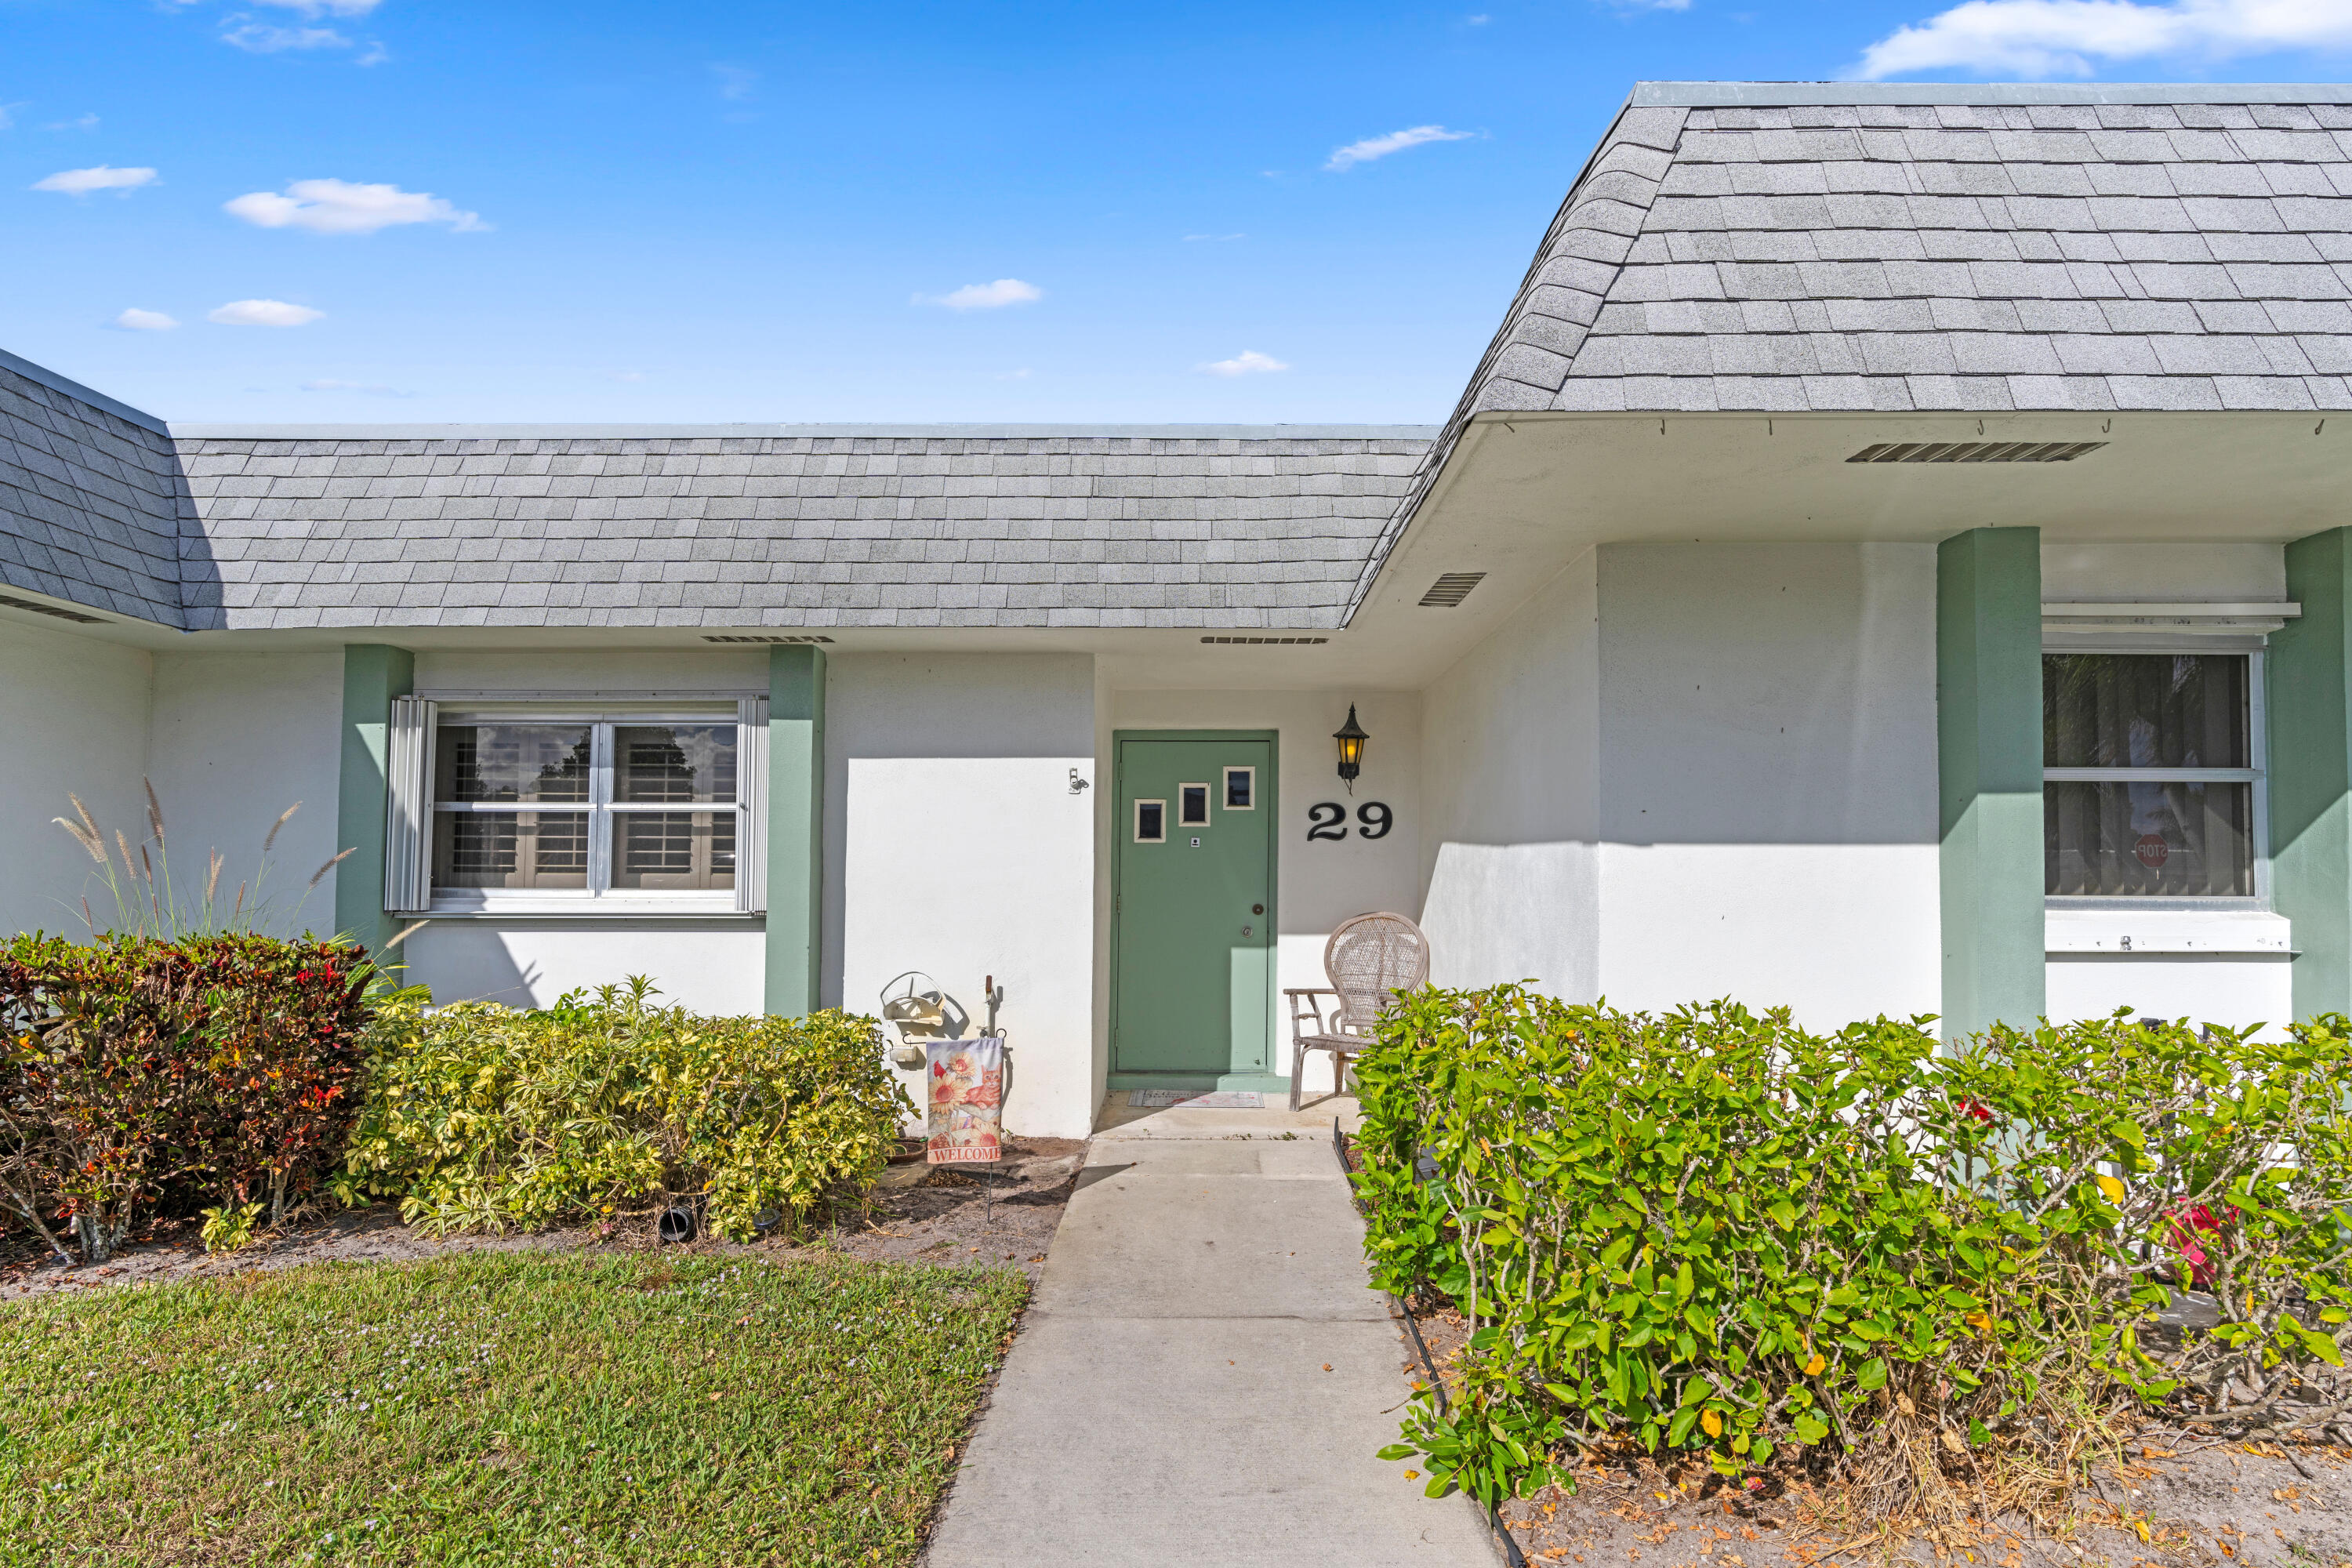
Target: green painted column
1989,764
374,674
795,826
2309,698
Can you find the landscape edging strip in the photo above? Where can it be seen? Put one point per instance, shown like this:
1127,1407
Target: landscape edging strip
1495,1526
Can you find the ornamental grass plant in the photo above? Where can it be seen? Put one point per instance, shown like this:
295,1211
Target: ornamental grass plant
482,1116
1712,1232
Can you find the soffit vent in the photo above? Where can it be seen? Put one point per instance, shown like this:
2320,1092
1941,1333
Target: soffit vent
1284,642
1975,452
16,604
1451,588
789,640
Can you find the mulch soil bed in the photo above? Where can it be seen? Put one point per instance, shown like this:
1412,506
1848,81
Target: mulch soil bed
1001,1216
2165,1500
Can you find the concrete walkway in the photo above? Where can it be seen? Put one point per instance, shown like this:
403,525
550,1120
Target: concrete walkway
1168,1401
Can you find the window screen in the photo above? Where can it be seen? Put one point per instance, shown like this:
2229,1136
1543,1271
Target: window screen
2148,775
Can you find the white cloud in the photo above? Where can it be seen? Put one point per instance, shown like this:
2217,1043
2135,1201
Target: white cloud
263,313
81,181
985,296
735,82
262,38
2073,37
376,54
1249,362
313,9
86,122
1021,375
137,320
1372,147
338,206
1479,21
8,121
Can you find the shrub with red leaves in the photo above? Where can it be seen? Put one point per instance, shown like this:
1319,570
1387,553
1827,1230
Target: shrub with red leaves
140,1077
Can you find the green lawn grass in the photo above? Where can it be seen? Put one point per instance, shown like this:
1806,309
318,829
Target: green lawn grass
495,1407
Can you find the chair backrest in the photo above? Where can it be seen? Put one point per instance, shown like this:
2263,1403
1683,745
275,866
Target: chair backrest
1368,960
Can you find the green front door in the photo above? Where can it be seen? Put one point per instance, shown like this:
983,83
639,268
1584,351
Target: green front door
1193,991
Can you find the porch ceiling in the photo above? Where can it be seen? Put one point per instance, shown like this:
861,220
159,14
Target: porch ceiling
1525,494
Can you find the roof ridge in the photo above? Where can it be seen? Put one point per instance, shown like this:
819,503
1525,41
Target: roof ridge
190,431
46,377
1793,94
1475,398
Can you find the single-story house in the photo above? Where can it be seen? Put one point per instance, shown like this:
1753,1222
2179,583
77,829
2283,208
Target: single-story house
1892,558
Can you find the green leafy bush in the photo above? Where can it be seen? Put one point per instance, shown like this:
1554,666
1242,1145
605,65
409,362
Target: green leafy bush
1713,1230
143,1074
481,1117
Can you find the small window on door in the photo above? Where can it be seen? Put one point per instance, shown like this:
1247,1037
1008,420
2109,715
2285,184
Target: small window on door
1241,789
1152,822
1193,804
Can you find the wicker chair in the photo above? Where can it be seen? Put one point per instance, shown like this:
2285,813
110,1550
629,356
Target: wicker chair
1368,960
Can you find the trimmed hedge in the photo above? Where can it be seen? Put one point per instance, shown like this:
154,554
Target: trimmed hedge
1711,1230
142,1075
481,1117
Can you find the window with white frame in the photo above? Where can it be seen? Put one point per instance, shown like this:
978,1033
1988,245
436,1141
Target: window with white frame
2152,783
545,807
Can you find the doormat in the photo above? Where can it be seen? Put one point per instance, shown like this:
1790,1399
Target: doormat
1191,1100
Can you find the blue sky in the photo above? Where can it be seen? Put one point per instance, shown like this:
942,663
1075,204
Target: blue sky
412,210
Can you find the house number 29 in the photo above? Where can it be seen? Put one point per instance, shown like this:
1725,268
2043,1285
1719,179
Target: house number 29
1328,819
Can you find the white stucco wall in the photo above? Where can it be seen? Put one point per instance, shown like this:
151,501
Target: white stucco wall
1316,884
1683,771
1768,777
714,966
711,965
73,720
237,738
2234,990
955,846
2081,570
1510,842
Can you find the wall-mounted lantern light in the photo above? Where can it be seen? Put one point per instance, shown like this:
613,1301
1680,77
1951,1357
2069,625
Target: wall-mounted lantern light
1351,739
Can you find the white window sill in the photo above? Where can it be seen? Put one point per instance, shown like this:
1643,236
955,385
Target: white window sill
2115,932
585,908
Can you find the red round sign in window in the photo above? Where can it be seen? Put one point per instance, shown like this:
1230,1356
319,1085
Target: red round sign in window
2152,850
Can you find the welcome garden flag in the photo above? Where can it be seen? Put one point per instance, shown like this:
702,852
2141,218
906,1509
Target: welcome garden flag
967,1079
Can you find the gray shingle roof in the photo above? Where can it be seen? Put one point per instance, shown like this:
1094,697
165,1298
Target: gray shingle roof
810,527
1898,247
89,497
1902,246
1773,247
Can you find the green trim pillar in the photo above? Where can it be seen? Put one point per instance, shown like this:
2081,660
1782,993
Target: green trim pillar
1989,766
2308,698
374,674
795,826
